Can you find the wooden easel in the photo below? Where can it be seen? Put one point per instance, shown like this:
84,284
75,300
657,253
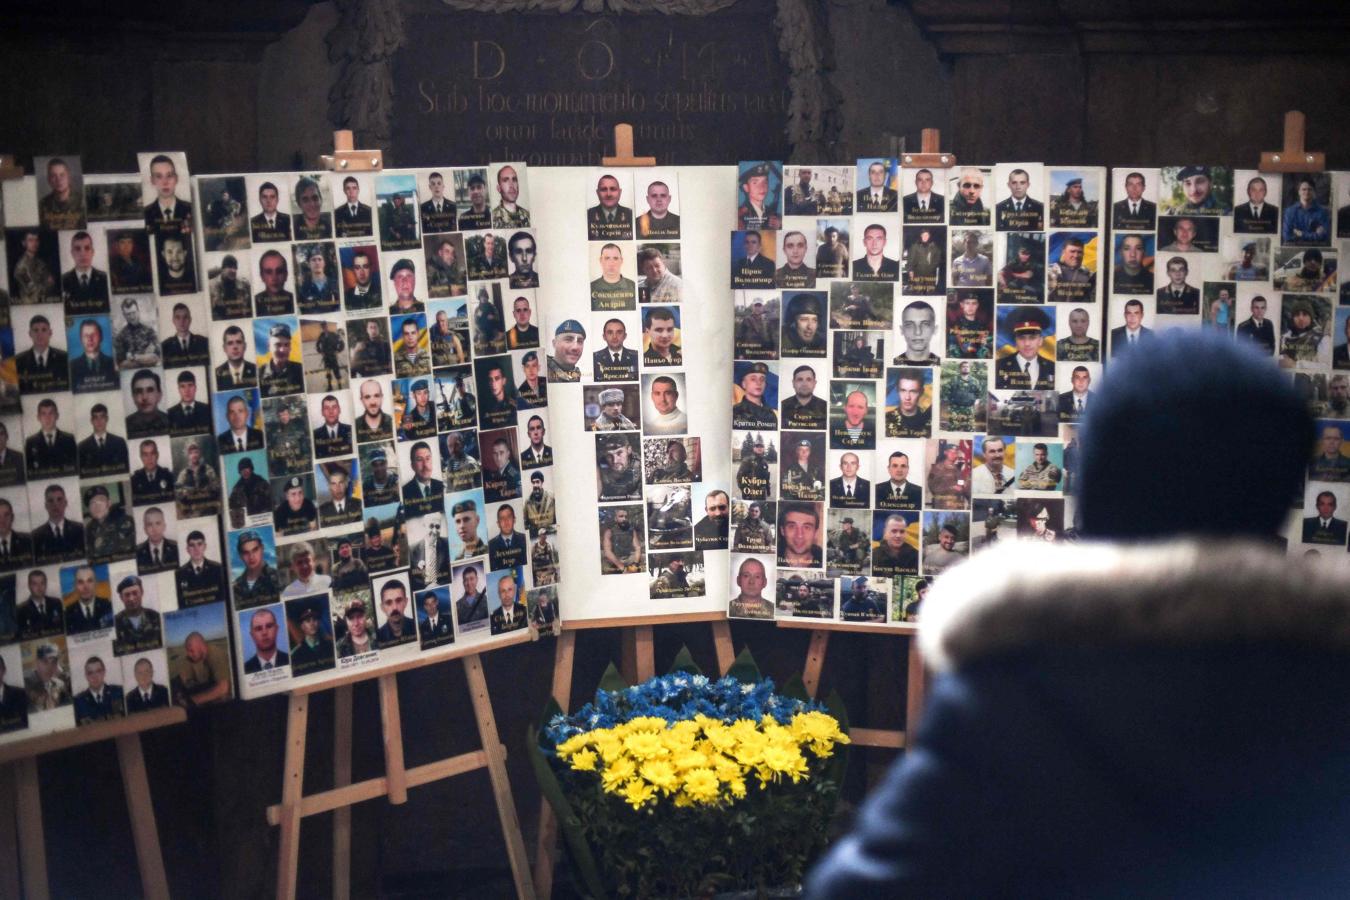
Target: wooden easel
1293,158
396,780
930,154
22,848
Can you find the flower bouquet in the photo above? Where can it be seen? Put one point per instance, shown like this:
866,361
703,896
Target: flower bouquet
683,786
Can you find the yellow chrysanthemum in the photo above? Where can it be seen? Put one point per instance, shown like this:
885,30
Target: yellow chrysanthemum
584,760
691,759
573,744
727,769
720,736
637,793
737,788
782,759
609,747
660,774
701,785
618,772
749,749
646,723
644,744
816,726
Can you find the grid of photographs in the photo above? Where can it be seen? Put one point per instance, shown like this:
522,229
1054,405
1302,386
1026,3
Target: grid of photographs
1256,255
380,415
111,586
912,350
633,388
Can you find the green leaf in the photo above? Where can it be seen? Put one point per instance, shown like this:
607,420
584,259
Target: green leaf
611,680
795,689
684,662
745,669
838,763
568,823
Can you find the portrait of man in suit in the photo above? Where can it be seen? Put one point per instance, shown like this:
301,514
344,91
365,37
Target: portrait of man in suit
438,211
333,437
241,435
1124,337
102,453
146,694
340,508
42,368
58,539
84,289
156,553
51,451
846,488
1019,212
352,216
188,415
615,362
874,264
199,580
1134,212
1256,216
88,612
1072,404
433,623
506,550
923,206
897,491
752,268
1325,528
608,220
877,196
167,212
99,700
40,614
184,348
1177,297
235,372
430,557
93,370
262,630
422,492
1257,328
270,224
510,614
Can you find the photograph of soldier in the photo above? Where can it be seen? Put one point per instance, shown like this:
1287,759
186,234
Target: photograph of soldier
434,625
489,324
849,488
445,273
196,487
540,506
353,624
128,264
676,575
271,224
800,196
1249,261
523,333
618,467
669,520
875,191
621,546
923,205
946,541
752,580
42,366
109,533
109,198
925,260
752,263
1132,272
286,428
156,553
294,511
510,211
46,678
496,391
360,278
672,460
501,465
1307,220
449,335
370,348
754,524
199,580
225,224
240,418
309,630
438,211
175,266
1022,278
471,604
964,396
1303,339
253,567
1305,271
316,265
757,460
231,294
1134,212
506,548
413,409
1071,276
12,468
604,408
853,415
396,625
135,344
909,599
1188,234
274,275
658,267
396,197
96,698
948,481
863,601
832,248
1177,297
970,324
1325,527
803,325
60,193
86,591
34,262
874,264
755,396
799,535
760,186
145,391
1023,331
1040,466
794,272
471,192
860,306
569,341
486,257
973,267
1074,402
522,251
1070,205
544,565
804,409
456,406
609,220
661,219
50,451
859,354
967,197
39,614
412,355
93,369
403,278
802,474
1330,462
380,486
422,493
249,496
1040,520
1020,210
1078,347
151,483
614,361
167,207
183,347
337,503
918,327
710,532
189,415
661,337
101,452
84,287
136,627
1195,190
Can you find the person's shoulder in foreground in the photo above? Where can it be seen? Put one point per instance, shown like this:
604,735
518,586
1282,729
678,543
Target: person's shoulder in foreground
1155,710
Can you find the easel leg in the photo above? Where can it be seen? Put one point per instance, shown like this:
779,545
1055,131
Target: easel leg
342,776
143,828
292,789
501,786
546,843
726,651
9,835
32,844
914,694
815,661
392,723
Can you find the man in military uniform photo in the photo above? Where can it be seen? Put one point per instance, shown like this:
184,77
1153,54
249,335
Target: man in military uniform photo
349,571
398,628
1026,369
32,279
109,532
619,467
803,334
710,532
146,392
621,546
339,508
288,449
84,289
332,437
197,488
612,289
258,584
1040,474
47,685
102,453
199,580
230,295
893,555
472,606
184,348
878,195
40,614
754,533
799,535
296,512
608,220
466,519
800,199
314,651
658,221
1134,212
752,475
152,483
751,603
508,213
99,701
803,477
438,211
42,368
923,205
1071,209
62,206
794,272
614,361
848,547
374,424
188,416
358,638
1020,212
569,341
522,252
1198,186
273,299
1330,464
543,560
752,269
1131,276
611,417
803,409
281,374
236,372
156,553
908,418
673,580
250,494
380,485
93,370
353,217
135,628
540,507
760,210
751,411
1078,347
961,393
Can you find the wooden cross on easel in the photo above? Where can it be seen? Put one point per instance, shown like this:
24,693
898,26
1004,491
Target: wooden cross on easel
1293,158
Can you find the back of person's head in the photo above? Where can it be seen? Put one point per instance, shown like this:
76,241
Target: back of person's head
1192,434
